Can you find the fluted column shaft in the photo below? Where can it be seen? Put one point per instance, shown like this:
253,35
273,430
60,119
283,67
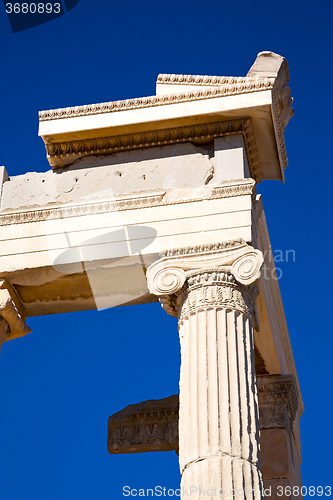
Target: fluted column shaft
219,420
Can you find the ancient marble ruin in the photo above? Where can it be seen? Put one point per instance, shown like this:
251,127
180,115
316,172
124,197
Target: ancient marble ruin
154,199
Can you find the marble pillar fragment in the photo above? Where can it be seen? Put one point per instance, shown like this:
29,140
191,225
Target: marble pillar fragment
219,448
219,420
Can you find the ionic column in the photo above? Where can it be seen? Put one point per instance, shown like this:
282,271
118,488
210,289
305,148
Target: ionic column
219,418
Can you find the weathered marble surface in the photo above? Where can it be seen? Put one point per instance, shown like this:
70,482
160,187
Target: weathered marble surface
94,178
147,426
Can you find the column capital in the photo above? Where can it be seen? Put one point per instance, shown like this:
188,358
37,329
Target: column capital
168,275
215,288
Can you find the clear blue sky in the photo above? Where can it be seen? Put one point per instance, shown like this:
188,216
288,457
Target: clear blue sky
60,383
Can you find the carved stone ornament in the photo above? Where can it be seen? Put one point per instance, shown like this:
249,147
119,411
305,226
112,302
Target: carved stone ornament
168,275
148,426
225,86
278,401
70,150
12,311
145,199
211,289
153,425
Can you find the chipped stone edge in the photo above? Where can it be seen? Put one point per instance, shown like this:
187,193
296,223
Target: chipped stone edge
65,153
150,200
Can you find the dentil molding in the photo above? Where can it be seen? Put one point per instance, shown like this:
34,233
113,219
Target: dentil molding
230,86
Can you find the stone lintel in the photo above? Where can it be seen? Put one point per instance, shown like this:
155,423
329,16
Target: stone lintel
147,426
48,275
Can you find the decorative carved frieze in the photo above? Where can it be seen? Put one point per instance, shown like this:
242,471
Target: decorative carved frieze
224,245
278,401
246,187
230,87
148,426
281,97
144,200
227,294
203,80
204,132
212,289
121,203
